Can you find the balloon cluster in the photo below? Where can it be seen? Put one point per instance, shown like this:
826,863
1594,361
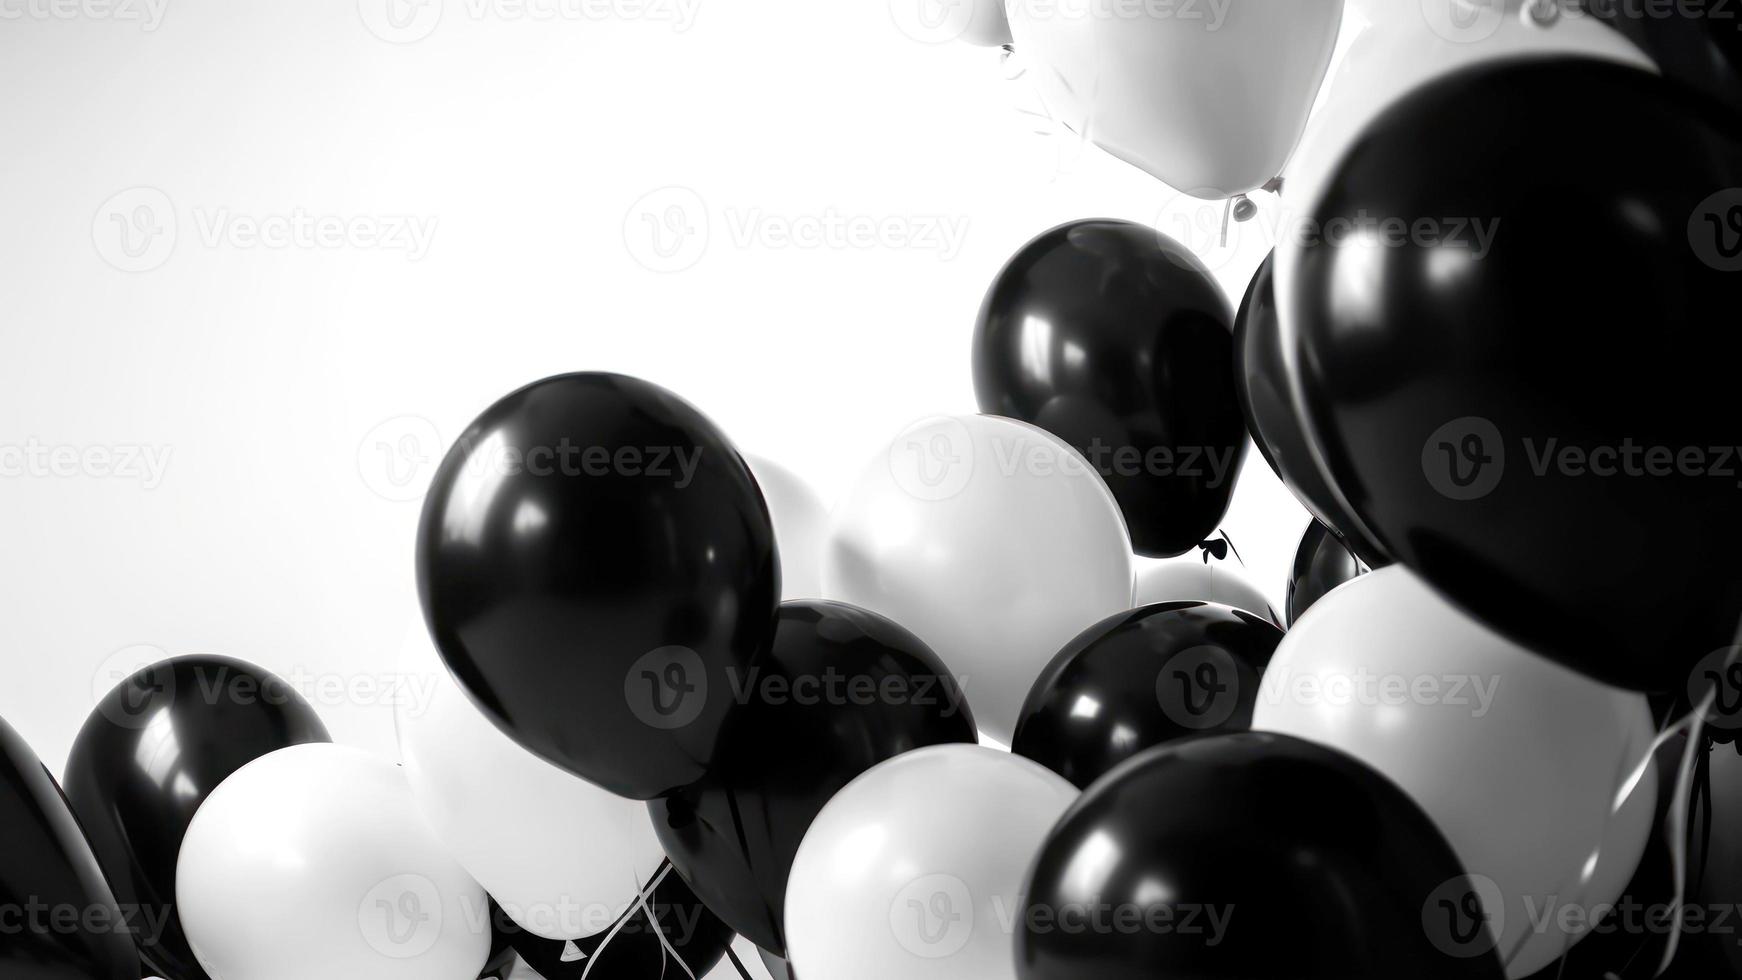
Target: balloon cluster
666,698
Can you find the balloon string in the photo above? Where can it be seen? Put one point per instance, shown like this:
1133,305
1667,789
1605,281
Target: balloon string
736,964
641,899
660,932
1678,821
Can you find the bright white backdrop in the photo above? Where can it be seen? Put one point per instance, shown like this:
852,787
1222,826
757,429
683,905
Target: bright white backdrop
261,259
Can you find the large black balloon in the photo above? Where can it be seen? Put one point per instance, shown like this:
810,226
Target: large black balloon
1247,857
1525,417
1697,44
633,951
61,921
1117,340
1143,678
595,559
1276,427
156,746
841,690
1321,563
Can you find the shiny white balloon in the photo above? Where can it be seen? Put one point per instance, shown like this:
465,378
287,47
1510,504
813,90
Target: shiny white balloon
313,861
915,869
1538,776
801,523
1210,98
991,540
1190,578
562,857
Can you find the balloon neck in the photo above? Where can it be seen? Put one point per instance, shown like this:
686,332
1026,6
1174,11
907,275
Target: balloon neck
1244,209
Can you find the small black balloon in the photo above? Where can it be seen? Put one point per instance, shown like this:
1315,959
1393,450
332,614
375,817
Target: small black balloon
1525,404
595,560
1143,678
1251,856
47,871
631,949
840,690
1321,563
1117,340
155,748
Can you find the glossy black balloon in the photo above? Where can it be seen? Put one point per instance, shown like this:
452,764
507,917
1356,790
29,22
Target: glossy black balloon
47,873
1117,340
1697,44
634,951
1275,426
156,746
841,690
1143,678
1526,415
595,559
1321,563
1246,856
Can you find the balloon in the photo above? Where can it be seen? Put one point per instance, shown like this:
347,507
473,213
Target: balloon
801,523
1143,678
1697,45
1524,764
1208,98
841,690
500,964
914,869
1475,420
47,873
992,541
150,754
1321,563
631,949
778,969
313,861
576,857
1245,855
1262,383
593,558
1188,579
1115,338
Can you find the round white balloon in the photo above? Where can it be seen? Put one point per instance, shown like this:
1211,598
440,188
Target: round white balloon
562,857
313,861
991,540
801,523
915,869
1210,98
1538,776
1190,578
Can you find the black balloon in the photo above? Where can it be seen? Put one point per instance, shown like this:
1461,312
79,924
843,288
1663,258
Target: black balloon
61,921
841,690
1276,428
1143,678
156,746
500,962
595,559
1321,563
1249,856
631,949
1697,44
1116,339
1524,408
777,968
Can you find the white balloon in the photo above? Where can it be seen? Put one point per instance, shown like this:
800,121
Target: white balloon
915,869
562,857
801,523
1537,775
992,541
313,861
1211,98
1190,578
